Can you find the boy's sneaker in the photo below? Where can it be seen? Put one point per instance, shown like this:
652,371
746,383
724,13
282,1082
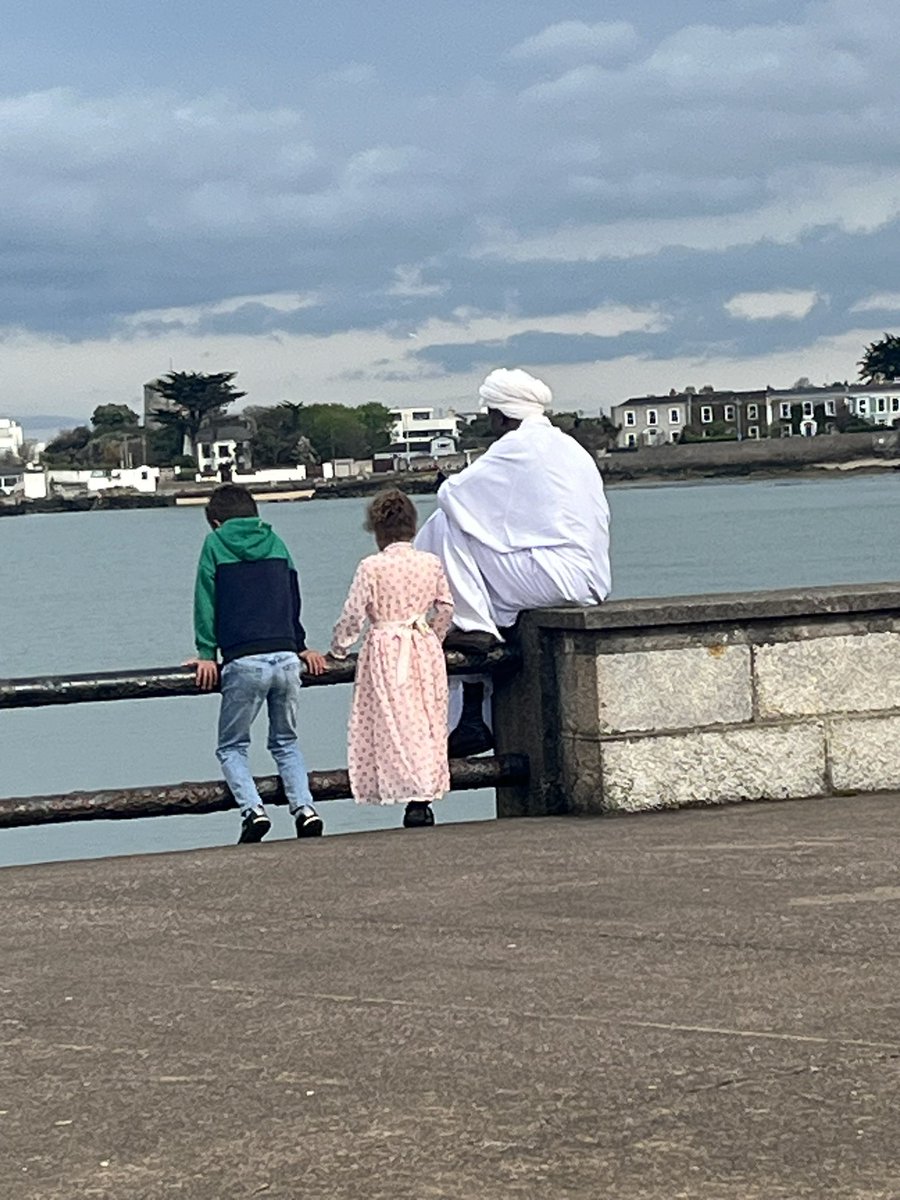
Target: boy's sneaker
418,815
254,828
308,822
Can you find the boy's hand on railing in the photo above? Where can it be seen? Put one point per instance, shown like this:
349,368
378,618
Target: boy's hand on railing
207,672
315,662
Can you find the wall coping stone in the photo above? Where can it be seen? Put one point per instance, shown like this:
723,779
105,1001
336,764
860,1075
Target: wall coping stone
725,606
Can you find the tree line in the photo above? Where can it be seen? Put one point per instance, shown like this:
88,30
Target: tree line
280,435
290,432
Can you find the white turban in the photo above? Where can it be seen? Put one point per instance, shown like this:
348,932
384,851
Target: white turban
515,393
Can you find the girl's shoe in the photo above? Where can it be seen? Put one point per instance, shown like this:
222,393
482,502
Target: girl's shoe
418,815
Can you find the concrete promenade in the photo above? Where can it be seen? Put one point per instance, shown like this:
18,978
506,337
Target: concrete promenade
691,1004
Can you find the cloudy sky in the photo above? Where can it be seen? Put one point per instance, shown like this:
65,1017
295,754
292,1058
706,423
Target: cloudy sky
384,199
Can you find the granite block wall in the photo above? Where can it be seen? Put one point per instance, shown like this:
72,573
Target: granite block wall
710,700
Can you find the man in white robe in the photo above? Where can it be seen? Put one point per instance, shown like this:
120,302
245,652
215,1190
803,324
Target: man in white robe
526,525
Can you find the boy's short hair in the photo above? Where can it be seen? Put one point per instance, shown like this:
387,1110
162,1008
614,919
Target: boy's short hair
392,515
230,500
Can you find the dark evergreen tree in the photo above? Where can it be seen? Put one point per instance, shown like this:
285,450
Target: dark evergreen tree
109,417
69,448
881,360
193,398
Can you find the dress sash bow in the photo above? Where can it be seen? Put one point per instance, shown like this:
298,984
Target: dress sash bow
404,630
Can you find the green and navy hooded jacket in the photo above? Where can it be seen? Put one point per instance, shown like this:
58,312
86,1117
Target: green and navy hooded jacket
247,594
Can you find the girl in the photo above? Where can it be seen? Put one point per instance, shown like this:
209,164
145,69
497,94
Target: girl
398,720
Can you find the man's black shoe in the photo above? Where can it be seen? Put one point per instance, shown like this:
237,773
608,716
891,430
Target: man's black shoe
308,822
471,735
254,828
418,815
471,641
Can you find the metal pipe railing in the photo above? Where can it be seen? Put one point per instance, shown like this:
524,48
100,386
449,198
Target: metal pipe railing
214,796
168,800
39,691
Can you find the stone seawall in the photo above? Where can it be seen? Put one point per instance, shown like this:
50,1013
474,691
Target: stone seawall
775,455
651,704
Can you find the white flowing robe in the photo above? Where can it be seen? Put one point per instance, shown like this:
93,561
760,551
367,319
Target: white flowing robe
525,526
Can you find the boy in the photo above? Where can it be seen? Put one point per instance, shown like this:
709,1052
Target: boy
247,605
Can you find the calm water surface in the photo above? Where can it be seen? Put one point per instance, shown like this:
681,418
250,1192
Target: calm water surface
97,591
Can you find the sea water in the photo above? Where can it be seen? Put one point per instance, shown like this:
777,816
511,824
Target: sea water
96,591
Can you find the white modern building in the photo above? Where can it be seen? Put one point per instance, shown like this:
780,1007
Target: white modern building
418,432
12,437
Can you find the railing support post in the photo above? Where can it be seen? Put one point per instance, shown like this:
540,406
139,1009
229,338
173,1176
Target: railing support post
526,714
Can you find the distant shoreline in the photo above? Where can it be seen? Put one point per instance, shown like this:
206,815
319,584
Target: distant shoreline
734,472
113,500
618,477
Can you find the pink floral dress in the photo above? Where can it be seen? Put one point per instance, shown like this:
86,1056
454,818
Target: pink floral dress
398,721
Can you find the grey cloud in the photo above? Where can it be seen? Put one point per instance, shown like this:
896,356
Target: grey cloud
828,58
577,41
118,204
693,335
696,286
412,374
533,347
691,288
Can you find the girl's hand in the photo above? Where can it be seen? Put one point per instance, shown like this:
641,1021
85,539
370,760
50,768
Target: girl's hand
315,662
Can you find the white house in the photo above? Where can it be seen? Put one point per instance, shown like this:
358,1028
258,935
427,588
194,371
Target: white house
12,436
417,431
10,480
651,420
877,403
223,442
28,483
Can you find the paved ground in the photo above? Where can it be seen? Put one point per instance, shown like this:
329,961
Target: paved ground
697,1004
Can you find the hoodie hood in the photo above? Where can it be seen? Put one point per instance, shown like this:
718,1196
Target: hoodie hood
247,538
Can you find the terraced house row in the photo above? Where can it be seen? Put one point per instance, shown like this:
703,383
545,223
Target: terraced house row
767,413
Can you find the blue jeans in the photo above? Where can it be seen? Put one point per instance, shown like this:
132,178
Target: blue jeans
247,683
